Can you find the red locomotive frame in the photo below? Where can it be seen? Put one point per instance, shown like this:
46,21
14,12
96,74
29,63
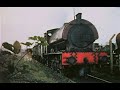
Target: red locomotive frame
79,56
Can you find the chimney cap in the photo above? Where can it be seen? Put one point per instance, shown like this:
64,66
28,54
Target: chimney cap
78,16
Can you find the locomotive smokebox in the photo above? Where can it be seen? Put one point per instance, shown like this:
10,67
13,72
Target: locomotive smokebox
79,16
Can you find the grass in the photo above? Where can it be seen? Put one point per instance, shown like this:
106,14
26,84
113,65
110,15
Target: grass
34,72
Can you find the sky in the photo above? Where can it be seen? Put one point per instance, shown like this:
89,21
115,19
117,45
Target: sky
19,23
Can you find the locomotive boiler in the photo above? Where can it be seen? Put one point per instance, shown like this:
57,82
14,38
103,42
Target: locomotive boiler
72,45
77,35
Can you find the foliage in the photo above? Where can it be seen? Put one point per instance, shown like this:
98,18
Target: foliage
27,44
7,63
28,71
17,69
8,46
33,38
15,48
39,40
5,52
106,48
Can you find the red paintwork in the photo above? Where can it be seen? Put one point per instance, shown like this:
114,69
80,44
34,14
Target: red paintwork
81,55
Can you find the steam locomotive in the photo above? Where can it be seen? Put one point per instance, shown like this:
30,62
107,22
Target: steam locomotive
71,46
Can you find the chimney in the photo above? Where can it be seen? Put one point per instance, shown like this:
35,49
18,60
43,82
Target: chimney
78,16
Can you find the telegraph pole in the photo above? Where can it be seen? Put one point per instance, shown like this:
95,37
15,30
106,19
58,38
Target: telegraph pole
1,27
74,13
119,61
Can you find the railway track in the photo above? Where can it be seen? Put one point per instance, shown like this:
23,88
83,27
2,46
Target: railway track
99,79
90,79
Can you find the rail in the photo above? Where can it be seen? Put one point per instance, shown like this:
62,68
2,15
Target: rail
98,78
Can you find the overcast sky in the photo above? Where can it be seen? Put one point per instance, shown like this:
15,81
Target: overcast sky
19,23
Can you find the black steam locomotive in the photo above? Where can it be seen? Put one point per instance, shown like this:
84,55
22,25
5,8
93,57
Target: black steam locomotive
71,45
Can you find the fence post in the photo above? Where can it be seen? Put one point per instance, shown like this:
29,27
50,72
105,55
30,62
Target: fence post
111,54
119,61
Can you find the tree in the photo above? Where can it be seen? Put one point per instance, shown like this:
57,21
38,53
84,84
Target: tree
27,44
39,40
33,38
